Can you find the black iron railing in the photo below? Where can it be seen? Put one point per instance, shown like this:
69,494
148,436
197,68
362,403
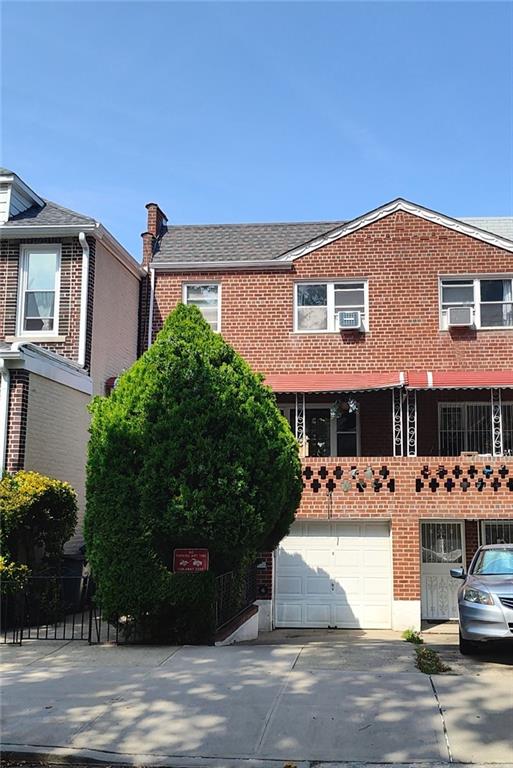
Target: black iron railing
234,593
47,608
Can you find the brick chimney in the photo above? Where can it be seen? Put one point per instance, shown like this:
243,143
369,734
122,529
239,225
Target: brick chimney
157,220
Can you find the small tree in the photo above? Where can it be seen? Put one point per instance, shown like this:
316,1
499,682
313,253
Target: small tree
189,450
38,515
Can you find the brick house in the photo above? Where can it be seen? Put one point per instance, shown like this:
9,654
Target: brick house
388,341
62,337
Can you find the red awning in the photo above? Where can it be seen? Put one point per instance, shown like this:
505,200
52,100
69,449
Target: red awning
334,382
459,379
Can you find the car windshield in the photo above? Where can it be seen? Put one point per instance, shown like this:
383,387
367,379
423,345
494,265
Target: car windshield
494,562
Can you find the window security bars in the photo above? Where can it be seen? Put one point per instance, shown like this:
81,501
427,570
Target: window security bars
498,532
441,543
484,428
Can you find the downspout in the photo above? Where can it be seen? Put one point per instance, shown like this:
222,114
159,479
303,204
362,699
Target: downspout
4,413
84,290
150,312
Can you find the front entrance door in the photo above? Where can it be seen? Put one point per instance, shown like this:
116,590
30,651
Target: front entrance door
442,549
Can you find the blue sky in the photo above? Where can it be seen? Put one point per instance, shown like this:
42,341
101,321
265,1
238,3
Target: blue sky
229,112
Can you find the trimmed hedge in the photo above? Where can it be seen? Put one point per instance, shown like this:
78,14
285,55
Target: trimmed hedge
190,450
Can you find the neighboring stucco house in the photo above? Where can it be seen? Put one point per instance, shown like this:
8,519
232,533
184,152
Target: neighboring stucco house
388,341
69,299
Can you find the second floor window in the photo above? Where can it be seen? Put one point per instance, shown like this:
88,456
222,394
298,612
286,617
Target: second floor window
317,305
490,298
207,297
39,290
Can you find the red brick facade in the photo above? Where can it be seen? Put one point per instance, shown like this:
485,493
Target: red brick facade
402,257
17,420
70,290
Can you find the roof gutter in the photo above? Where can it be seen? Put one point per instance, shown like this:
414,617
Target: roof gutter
84,290
216,266
152,299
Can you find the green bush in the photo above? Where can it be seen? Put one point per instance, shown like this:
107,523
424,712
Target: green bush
189,450
38,515
429,662
412,636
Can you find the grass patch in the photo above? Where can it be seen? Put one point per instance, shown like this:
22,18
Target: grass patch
429,662
412,636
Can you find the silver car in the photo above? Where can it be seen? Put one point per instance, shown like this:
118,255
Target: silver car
485,599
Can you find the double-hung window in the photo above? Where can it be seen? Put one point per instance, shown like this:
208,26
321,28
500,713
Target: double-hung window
38,311
207,297
491,299
317,304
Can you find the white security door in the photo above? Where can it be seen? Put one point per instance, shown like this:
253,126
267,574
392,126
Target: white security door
334,575
442,549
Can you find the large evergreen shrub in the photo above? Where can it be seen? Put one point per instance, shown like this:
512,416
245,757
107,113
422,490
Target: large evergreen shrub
189,450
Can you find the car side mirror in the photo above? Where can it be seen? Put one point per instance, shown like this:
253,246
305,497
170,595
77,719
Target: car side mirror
457,573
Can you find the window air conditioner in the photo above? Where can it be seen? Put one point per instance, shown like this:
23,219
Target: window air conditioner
460,317
350,320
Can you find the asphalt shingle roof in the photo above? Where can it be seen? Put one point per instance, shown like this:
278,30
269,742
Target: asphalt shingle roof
50,214
498,225
236,242
255,242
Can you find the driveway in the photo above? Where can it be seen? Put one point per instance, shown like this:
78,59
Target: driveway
330,697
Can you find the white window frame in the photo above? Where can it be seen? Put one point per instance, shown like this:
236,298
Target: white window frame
330,284
288,407
25,252
204,282
476,306
463,405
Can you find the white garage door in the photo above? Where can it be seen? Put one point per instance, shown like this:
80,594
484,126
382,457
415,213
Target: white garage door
334,575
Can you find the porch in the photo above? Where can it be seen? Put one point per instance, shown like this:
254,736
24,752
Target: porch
416,413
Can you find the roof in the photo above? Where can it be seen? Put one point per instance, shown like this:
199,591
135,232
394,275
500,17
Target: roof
236,242
466,379
361,382
246,243
499,225
333,382
50,214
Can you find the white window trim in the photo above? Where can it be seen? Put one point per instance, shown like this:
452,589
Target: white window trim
475,279
330,283
25,250
288,407
442,403
219,296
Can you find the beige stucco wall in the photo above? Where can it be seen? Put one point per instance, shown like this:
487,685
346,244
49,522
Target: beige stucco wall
57,435
115,318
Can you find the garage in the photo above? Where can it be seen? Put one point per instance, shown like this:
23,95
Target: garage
334,574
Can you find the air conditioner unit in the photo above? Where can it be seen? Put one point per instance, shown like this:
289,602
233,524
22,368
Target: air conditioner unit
350,320
460,317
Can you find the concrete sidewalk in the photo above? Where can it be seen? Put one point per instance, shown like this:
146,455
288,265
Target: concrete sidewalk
262,704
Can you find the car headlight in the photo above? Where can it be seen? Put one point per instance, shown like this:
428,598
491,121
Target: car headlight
472,595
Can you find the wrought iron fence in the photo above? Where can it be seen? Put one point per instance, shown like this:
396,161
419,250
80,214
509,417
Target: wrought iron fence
48,608
62,608
234,593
